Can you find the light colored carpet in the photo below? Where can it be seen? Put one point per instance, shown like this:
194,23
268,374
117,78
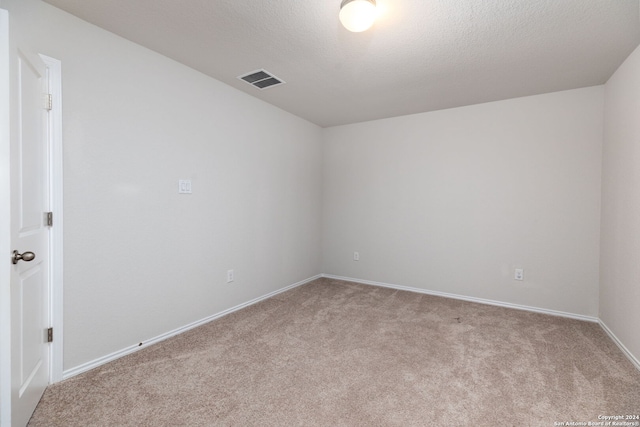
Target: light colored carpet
334,353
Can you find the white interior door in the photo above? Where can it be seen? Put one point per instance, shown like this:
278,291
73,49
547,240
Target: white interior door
29,234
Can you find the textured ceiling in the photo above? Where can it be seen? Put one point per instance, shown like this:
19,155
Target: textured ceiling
421,55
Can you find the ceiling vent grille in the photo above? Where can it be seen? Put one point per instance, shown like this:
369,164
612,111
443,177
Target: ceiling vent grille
261,79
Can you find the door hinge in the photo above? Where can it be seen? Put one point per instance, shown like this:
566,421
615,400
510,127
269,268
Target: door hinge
49,102
49,219
50,335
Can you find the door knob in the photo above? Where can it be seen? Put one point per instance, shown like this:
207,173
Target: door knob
27,256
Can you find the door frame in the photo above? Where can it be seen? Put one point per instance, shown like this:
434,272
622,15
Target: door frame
54,75
5,225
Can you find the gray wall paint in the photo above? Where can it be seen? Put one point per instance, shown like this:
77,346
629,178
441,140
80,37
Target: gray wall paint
620,247
449,201
455,200
141,260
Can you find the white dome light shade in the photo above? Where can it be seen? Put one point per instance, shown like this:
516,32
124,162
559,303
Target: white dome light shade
358,15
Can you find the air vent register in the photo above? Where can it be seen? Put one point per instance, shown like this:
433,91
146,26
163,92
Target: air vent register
261,79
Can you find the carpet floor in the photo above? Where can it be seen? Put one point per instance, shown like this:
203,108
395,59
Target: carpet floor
334,353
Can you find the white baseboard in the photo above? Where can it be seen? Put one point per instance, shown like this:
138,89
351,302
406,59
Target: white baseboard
624,349
608,331
131,349
466,298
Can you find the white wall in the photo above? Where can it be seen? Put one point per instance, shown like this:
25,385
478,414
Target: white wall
620,246
141,260
448,201
453,201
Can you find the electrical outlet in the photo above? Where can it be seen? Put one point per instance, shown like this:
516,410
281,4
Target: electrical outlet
519,274
356,256
229,276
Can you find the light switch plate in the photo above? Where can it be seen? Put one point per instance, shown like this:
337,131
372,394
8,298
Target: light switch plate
184,186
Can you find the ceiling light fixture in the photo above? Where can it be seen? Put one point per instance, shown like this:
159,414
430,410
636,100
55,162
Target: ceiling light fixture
357,15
